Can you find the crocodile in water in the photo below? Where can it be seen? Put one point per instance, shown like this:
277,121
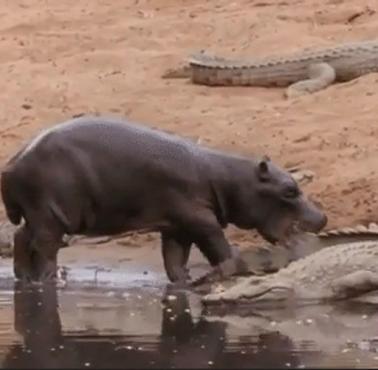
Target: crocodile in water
333,273
305,71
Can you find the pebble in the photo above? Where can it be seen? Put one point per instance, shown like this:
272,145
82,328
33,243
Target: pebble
171,297
364,346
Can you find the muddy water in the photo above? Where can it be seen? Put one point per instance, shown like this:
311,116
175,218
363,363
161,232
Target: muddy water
114,312
93,323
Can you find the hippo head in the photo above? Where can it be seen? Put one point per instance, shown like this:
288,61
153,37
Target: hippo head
275,205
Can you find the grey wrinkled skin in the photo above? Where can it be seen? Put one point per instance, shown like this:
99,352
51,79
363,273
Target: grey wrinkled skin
101,176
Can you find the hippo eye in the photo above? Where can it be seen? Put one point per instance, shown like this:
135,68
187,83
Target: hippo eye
291,192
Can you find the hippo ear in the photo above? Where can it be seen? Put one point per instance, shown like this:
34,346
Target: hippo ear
263,170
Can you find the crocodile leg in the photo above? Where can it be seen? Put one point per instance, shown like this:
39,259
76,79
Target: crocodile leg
355,284
180,72
320,76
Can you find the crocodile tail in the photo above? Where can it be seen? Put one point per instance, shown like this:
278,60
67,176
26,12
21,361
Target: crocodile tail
12,207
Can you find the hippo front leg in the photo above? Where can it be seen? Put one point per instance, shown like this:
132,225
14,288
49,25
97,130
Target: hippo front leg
176,250
210,239
46,240
30,263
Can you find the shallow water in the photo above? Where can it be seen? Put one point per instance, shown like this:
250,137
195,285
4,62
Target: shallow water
93,324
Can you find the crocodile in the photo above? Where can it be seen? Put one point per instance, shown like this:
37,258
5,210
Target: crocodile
266,259
302,72
334,273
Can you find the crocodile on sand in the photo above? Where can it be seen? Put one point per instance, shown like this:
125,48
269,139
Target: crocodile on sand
334,273
304,72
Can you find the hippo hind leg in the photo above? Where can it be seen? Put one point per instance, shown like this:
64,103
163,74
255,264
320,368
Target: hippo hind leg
176,251
23,255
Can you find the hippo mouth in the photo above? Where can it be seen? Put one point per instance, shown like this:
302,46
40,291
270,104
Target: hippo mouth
286,236
289,235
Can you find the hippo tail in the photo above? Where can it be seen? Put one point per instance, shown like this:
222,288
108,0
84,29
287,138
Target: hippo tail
12,207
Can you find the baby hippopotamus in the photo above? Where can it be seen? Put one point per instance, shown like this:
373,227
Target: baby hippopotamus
101,176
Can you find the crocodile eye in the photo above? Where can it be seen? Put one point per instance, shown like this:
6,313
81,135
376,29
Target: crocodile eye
255,281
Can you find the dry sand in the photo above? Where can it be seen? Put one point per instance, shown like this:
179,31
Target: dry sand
61,58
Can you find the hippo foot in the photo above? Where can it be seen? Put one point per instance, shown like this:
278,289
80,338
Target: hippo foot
177,286
48,276
203,284
22,271
30,280
232,267
23,279
24,275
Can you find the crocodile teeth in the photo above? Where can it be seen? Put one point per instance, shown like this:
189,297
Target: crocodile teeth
361,228
373,227
348,230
